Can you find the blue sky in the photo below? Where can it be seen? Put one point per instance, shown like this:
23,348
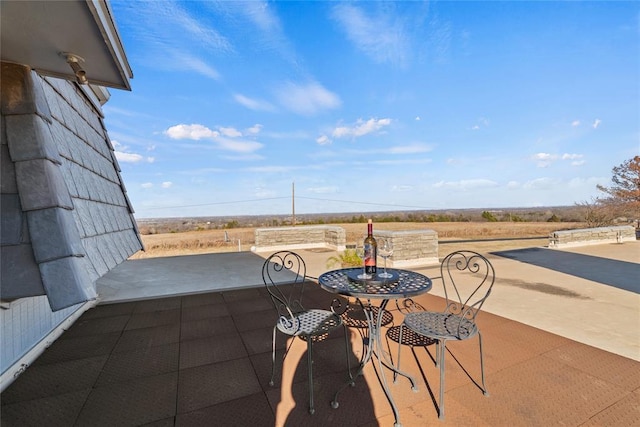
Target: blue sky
370,106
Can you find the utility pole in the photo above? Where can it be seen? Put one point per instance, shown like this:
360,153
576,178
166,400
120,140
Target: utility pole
293,203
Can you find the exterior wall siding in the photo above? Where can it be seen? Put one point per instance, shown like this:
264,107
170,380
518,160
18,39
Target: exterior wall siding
79,224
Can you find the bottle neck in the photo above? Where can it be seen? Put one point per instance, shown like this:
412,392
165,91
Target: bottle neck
370,229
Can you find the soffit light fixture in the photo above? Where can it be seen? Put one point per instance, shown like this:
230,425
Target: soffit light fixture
75,62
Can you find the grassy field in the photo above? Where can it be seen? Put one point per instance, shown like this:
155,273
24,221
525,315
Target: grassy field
474,235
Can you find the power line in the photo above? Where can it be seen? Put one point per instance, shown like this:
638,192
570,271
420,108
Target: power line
365,203
353,202
216,203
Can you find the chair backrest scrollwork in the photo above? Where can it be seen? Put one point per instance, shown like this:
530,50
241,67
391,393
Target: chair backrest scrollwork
284,275
468,278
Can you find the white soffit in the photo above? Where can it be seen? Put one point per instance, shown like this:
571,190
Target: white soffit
34,33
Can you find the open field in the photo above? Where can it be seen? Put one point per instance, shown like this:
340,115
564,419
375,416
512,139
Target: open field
475,236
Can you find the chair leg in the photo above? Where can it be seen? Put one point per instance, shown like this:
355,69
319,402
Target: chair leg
442,351
273,357
347,347
484,387
395,374
310,368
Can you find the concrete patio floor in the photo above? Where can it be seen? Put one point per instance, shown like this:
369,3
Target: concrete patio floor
203,358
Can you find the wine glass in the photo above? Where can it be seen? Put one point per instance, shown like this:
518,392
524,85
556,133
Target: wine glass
385,251
360,254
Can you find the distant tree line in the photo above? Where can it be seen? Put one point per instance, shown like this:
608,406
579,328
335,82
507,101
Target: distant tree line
570,215
177,225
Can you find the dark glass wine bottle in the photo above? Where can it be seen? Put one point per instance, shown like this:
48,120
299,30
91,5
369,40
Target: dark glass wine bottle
370,251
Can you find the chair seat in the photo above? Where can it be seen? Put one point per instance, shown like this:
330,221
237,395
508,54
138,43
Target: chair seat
409,337
441,325
313,322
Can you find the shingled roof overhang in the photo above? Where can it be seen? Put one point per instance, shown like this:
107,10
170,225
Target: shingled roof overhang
36,33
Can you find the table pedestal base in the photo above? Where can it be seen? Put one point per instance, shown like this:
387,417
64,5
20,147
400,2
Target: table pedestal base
372,342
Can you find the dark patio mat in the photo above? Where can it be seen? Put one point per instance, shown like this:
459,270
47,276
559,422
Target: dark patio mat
123,364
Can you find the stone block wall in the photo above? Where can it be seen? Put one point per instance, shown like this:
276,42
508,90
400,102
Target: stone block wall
301,237
592,236
410,248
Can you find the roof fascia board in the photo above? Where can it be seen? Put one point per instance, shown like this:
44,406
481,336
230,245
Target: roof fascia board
101,12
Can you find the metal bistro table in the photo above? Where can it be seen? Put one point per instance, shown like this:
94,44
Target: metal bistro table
402,284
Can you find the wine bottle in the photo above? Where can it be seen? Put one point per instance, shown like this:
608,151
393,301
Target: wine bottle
370,250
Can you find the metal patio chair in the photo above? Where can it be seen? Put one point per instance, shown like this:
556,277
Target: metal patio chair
468,278
409,337
284,275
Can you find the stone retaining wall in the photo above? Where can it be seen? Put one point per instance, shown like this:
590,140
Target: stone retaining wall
592,236
302,237
410,248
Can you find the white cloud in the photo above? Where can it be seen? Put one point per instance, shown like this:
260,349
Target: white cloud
193,131
596,123
381,37
253,104
146,185
239,146
263,17
360,128
197,65
576,159
272,169
410,149
125,156
466,184
513,185
323,190
200,32
166,184
263,193
401,188
589,183
245,157
226,138
409,161
157,28
541,184
230,132
254,130
575,123
323,140
306,99
128,157
481,123
418,118
543,160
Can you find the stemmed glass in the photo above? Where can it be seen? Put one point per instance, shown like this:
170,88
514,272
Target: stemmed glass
360,254
385,251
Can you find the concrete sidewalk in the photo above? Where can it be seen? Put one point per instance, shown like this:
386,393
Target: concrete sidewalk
574,307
